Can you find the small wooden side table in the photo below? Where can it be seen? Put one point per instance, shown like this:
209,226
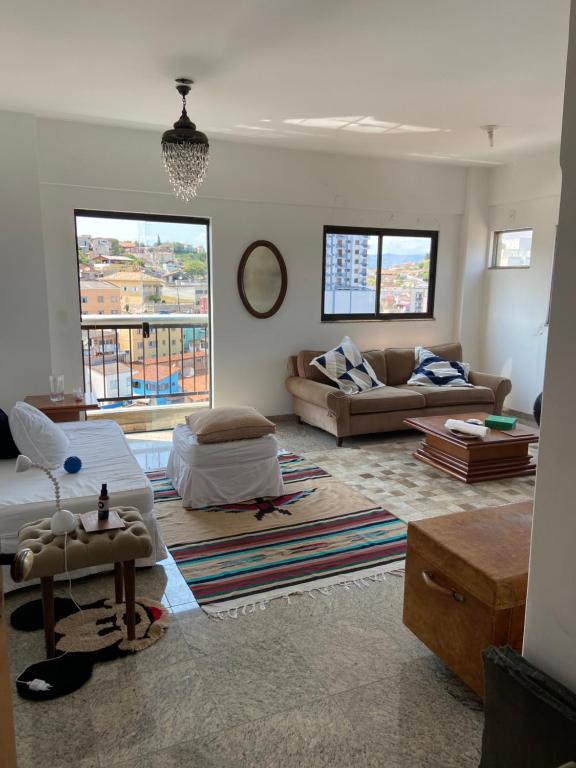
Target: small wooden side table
68,409
121,547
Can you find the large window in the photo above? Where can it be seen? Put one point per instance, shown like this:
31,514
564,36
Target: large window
512,248
378,274
144,303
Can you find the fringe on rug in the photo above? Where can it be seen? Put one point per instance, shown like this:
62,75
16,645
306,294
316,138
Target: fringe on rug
363,582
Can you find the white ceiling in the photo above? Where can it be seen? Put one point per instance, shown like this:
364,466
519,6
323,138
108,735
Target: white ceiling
353,76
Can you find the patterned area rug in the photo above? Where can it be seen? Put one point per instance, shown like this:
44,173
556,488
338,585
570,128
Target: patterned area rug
320,533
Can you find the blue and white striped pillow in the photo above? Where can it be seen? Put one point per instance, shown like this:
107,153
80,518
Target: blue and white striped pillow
435,371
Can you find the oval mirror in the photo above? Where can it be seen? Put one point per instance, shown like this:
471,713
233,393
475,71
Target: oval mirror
262,279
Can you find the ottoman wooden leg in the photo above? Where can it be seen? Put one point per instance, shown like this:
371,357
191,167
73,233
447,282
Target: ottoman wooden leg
48,615
118,585
130,591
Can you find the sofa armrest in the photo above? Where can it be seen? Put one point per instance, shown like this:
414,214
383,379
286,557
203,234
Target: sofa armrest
498,384
332,399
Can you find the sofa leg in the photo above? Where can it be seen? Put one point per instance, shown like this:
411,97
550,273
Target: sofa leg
299,418
339,441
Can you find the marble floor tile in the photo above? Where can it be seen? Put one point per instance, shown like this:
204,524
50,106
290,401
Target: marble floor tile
56,733
316,735
261,678
209,636
176,590
383,714
150,710
348,655
190,754
336,681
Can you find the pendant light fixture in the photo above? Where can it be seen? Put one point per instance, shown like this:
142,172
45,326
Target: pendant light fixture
185,150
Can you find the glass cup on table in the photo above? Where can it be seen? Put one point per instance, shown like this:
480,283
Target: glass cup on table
78,394
56,387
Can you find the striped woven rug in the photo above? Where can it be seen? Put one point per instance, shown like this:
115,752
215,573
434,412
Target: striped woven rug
321,532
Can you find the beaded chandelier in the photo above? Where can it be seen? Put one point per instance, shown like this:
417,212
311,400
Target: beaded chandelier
185,151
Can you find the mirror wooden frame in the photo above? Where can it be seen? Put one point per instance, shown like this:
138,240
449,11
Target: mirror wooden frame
283,276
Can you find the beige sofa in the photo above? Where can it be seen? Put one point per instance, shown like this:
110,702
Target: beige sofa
319,402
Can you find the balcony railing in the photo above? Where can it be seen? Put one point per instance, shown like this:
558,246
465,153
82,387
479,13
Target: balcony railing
149,359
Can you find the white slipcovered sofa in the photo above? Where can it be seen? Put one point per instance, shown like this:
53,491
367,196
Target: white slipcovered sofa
106,458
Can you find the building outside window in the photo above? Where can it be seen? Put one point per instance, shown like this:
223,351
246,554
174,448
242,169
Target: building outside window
382,274
153,272
512,248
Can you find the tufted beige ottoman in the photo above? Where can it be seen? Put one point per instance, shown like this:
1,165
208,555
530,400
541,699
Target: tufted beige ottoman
121,547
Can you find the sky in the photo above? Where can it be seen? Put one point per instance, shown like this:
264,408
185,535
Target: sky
400,246
406,246
143,231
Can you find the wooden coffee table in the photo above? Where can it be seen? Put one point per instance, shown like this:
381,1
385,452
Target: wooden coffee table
500,454
68,409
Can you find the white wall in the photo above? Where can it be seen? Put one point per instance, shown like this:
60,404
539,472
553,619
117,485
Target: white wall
24,338
287,197
550,631
250,193
523,194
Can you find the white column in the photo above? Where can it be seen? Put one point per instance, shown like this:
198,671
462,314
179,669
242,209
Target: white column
550,632
24,333
474,245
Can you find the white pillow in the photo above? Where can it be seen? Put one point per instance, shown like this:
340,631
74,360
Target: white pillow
37,437
346,365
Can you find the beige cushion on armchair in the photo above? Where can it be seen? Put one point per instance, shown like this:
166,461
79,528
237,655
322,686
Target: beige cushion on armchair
223,425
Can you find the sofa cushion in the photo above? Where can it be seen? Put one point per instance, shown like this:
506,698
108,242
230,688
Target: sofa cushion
377,359
438,396
386,399
346,365
400,361
223,425
307,371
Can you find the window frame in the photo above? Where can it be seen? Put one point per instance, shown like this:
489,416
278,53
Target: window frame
124,299
494,249
380,232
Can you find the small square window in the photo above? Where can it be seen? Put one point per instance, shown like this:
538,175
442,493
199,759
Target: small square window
512,248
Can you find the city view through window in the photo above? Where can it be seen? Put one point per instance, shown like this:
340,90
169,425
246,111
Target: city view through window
512,248
377,273
144,300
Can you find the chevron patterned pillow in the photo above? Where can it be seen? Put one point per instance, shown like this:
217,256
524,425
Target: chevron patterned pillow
348,368
433,370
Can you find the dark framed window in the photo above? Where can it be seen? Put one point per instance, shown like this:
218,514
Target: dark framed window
511,249
378,274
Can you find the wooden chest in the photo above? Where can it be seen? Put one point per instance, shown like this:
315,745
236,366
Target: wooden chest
466,582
